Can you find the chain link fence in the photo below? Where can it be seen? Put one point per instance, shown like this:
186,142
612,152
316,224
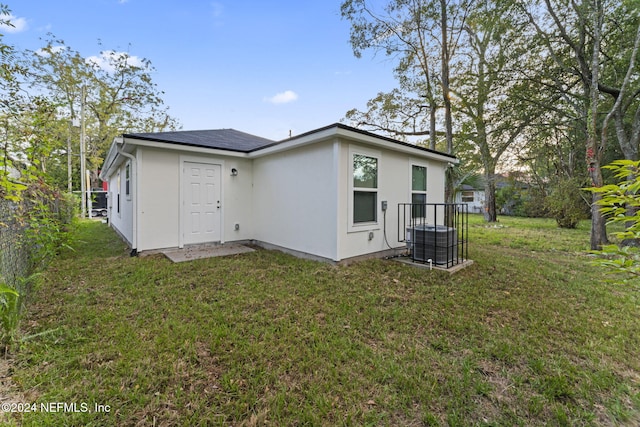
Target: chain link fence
32,231
19,252
15,251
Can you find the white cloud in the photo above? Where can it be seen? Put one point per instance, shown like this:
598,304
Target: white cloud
17,24
107,59
283,97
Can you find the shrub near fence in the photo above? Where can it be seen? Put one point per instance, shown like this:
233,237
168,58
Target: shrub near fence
32,230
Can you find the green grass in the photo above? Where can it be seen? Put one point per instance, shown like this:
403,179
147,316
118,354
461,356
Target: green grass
531,334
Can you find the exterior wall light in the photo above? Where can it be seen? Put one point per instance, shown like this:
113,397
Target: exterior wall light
234,172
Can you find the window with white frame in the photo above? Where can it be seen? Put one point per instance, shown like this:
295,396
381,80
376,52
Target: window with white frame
467,197
365,188
418,190
118,194
127,180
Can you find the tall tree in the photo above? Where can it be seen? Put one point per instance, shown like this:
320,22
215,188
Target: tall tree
445,60
401,30
422,35
595,144
626,114
591,43
120,93
474,47
485,84
619,80
10,108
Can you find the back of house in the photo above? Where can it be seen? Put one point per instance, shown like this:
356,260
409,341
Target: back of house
333,193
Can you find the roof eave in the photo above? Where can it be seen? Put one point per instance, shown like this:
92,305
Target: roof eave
192,148
312,137
110,160
353,134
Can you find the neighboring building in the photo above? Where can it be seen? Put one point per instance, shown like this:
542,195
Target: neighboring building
509,192
331,193
473,197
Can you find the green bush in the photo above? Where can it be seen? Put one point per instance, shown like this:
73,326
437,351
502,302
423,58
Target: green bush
50,216
9,312
509,200
520,200
66,206
534,205
566,205
42,224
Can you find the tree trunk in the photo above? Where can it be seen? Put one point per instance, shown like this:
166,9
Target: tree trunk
490,211
432,124
594,144
449,186
598,222
445,76
598,225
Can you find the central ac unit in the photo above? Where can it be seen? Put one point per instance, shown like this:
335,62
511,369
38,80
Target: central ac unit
437,243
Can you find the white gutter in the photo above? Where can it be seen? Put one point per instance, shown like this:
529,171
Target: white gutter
134,200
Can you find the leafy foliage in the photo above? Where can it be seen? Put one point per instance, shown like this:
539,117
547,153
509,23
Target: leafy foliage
566,205
40,96
120,97
9,310
411,33
42,226
41,215
620,203
9,90
50,220
509,199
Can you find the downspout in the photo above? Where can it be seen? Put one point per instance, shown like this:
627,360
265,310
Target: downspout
134,185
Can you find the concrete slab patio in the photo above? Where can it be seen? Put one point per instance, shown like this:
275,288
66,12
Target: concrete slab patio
464,264
205,251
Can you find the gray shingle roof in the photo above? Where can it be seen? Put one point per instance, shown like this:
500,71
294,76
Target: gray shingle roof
233,140
222,139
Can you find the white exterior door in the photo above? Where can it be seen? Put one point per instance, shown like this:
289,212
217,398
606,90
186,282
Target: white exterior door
201,203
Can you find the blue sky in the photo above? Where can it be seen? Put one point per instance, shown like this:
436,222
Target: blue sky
263,67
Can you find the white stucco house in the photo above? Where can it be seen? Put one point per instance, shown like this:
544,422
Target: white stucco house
473,197
330,194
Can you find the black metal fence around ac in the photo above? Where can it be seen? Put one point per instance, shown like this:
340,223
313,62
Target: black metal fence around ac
435,233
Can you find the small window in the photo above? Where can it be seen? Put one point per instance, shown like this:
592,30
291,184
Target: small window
118,194
418,190
467,197
127,180
418,202
418,178
365,188
364,206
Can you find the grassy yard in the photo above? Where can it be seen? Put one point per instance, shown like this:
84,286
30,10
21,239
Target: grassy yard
531,334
